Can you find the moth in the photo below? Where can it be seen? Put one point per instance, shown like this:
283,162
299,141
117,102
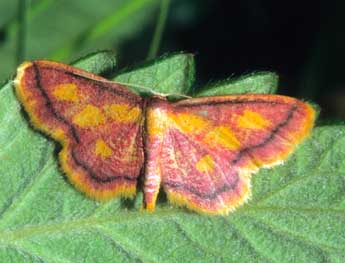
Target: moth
201,151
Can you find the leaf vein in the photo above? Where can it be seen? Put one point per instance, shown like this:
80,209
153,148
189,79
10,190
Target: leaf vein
130,254
26,252
21,196
298,179
323,247
12,140
250,242
185,234
18,234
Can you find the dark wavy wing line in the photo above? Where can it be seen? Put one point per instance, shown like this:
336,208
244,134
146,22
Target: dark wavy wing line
100,83
226,187
73,131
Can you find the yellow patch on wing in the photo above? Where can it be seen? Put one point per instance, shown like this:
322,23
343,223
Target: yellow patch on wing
205,164
102,149
90,116
58,134
189,123
122,112
223,136
66,92
252,120
77,177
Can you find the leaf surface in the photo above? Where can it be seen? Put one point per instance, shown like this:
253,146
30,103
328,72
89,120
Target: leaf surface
61,30
296,213
170,74
260,82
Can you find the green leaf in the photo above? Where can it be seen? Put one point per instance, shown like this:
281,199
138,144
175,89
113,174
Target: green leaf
61,30
99,63
170,74
296,213
8,12
260,82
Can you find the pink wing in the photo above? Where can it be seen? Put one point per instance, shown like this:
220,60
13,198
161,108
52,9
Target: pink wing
98,123
203,151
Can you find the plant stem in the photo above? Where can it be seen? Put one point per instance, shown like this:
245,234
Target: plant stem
157,36
21,35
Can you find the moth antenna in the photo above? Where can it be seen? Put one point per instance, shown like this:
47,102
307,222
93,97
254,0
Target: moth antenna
178,95
144,88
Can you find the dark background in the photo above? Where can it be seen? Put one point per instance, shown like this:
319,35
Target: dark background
302,41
